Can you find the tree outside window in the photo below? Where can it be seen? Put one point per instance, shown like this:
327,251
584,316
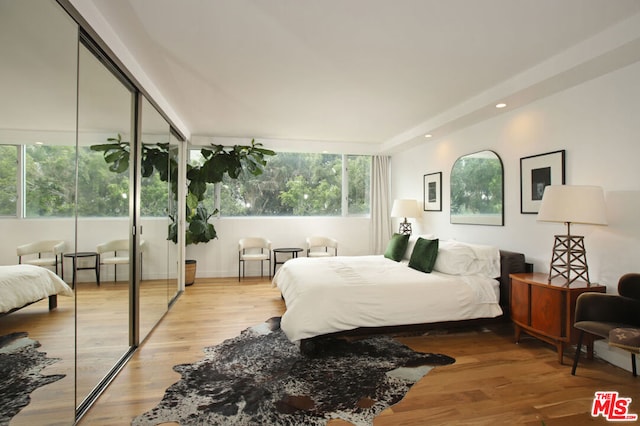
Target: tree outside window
300,184
8,180
294,184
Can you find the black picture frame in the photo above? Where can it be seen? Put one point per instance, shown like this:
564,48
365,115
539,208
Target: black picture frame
432,190
536,173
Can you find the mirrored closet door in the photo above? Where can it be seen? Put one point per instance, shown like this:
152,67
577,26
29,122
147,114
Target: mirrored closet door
62,102
159,173
103,222
39,48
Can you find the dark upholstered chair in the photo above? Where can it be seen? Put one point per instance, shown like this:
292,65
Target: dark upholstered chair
612,317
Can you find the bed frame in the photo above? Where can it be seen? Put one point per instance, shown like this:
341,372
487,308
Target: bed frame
53,304
510,263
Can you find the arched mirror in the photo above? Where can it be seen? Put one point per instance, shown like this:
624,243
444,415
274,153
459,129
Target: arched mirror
477,187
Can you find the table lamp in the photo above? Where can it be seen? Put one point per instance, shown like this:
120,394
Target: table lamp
405,209
571,204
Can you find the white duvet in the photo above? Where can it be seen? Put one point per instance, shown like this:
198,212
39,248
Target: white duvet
326,295
24,284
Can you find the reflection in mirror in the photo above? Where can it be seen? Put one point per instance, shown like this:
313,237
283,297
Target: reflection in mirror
477,189
103,229
38,47
155,198
173,255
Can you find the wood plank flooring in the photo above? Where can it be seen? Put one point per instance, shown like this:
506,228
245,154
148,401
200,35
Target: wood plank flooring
493,381
54,330
100,315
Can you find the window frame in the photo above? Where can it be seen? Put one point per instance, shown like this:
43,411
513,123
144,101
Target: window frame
21,198
344,197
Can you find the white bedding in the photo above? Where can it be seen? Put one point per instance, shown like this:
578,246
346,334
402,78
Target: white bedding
23,284
326,295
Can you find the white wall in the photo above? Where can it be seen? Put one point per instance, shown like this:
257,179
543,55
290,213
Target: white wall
598,125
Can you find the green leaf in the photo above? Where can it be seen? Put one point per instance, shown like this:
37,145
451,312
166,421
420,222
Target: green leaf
192,201
172,234
119,166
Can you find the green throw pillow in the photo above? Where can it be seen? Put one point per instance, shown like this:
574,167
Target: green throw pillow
424,255
396,247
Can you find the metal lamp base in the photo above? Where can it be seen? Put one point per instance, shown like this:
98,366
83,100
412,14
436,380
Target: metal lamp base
569,260
405,228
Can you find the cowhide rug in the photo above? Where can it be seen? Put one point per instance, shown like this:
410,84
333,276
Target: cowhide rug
261,378
20,367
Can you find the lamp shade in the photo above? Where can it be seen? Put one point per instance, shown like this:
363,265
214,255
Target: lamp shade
405,208
573,204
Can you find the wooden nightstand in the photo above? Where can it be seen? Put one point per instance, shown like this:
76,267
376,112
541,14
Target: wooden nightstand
547,310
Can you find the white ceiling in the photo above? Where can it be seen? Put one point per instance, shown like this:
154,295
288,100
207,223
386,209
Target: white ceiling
374,71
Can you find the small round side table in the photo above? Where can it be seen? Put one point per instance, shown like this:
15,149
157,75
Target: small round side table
292,251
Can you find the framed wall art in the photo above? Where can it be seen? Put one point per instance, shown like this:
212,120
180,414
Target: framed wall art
433,192
536,173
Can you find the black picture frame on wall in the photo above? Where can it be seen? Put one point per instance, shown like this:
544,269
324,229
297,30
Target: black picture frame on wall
536,173
432,201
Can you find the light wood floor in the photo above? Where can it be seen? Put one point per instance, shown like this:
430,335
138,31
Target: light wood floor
101,314
54,330
493,381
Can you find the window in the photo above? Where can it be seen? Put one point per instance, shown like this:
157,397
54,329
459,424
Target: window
8,180
298,184
293,184
49,181
101,192
359,195
49,184
156,196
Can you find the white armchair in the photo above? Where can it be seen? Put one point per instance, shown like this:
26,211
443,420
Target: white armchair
49,253
321,247
115,252
254,249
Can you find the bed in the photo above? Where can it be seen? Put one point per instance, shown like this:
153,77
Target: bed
22,285
328,296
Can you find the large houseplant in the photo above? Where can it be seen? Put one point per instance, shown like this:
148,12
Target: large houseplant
218,161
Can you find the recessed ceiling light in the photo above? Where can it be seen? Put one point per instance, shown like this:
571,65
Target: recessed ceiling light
39,143
428,135
501,105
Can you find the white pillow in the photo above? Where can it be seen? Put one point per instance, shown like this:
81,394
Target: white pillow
486,262
453,258
456,258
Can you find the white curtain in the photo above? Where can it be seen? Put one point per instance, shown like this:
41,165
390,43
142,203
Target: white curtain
380,203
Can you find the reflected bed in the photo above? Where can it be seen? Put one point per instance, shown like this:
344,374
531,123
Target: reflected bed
22,285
